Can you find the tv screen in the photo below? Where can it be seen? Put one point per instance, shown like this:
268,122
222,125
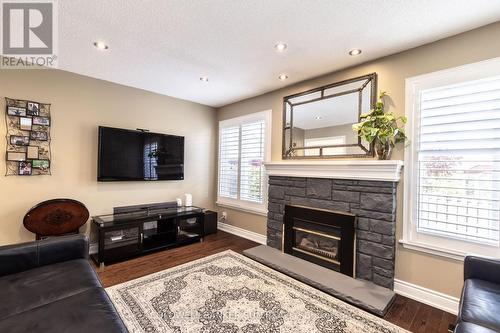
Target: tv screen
126,155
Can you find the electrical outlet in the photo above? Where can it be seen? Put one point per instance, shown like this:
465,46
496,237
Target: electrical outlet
224,216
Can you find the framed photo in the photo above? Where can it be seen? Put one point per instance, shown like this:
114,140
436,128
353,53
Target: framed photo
16,156
25,123
18,140
32,153
16,111
42,121
39,136
25,168
40,164
33,109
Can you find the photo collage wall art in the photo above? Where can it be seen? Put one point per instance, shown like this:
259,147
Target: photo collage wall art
28,137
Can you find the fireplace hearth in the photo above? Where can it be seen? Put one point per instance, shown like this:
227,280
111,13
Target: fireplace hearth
320,236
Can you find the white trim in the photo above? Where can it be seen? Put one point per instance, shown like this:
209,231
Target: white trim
419,241
465,72
427,296
239,205
253,236
389,170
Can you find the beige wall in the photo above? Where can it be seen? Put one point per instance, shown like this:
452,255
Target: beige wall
79,105
428,271
338,130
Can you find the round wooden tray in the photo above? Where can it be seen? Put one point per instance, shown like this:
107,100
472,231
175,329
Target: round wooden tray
56,217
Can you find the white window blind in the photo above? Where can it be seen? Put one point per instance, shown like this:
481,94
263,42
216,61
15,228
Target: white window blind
458,161
252,158
229,153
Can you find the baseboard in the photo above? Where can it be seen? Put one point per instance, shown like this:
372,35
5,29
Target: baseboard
427,296
253,236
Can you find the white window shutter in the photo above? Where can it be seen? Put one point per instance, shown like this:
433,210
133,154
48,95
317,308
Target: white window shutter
252,159
229,154
458,161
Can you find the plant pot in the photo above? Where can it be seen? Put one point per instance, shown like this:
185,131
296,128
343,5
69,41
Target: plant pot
383,150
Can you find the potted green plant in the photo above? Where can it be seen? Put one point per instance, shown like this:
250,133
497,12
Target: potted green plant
382,130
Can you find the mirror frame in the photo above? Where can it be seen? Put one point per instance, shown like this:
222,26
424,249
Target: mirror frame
368,152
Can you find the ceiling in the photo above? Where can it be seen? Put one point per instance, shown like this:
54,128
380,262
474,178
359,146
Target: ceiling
165,46
337,111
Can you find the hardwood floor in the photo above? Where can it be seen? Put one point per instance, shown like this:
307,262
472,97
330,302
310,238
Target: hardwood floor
406,313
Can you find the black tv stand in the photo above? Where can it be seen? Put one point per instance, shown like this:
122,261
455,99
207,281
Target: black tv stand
136,230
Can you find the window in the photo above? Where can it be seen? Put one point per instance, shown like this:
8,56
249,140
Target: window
150,163
452,177
328,141
244,146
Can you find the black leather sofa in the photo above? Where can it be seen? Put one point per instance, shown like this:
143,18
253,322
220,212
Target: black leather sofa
49,286
480,302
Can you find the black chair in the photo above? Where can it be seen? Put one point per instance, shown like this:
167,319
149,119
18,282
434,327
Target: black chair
479,310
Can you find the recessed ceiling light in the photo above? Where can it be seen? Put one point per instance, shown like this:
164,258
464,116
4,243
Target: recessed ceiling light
283,77
280,47
319,117
204,78
101,45
355,52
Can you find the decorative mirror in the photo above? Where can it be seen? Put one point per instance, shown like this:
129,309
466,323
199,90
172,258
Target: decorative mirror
318,123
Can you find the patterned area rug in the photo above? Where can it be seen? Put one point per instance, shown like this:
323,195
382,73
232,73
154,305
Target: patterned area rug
227,293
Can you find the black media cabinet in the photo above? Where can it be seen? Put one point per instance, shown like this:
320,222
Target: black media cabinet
130,233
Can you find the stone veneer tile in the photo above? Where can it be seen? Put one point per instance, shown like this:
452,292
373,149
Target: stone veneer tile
374,214
296,191
366,189
347,196
319,188
373,202
276,192
375,249
318,203
369,236
378,202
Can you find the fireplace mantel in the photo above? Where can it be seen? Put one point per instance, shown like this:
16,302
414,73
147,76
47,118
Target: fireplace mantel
378,170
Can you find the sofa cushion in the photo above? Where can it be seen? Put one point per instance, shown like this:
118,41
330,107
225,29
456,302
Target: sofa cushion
89,311
472,328
42,285
480,303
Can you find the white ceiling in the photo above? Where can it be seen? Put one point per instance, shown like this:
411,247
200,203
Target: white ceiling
332,112
164,46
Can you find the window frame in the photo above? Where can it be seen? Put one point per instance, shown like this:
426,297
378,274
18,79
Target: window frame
239,204
420,241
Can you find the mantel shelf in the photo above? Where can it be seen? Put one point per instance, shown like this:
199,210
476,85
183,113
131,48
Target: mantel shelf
343,169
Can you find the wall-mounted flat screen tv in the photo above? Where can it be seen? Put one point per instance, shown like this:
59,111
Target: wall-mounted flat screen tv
127,155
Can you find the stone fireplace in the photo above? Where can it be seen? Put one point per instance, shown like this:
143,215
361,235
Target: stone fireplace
365,189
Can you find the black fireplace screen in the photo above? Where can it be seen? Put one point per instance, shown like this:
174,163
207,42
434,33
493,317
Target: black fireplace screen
320,236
